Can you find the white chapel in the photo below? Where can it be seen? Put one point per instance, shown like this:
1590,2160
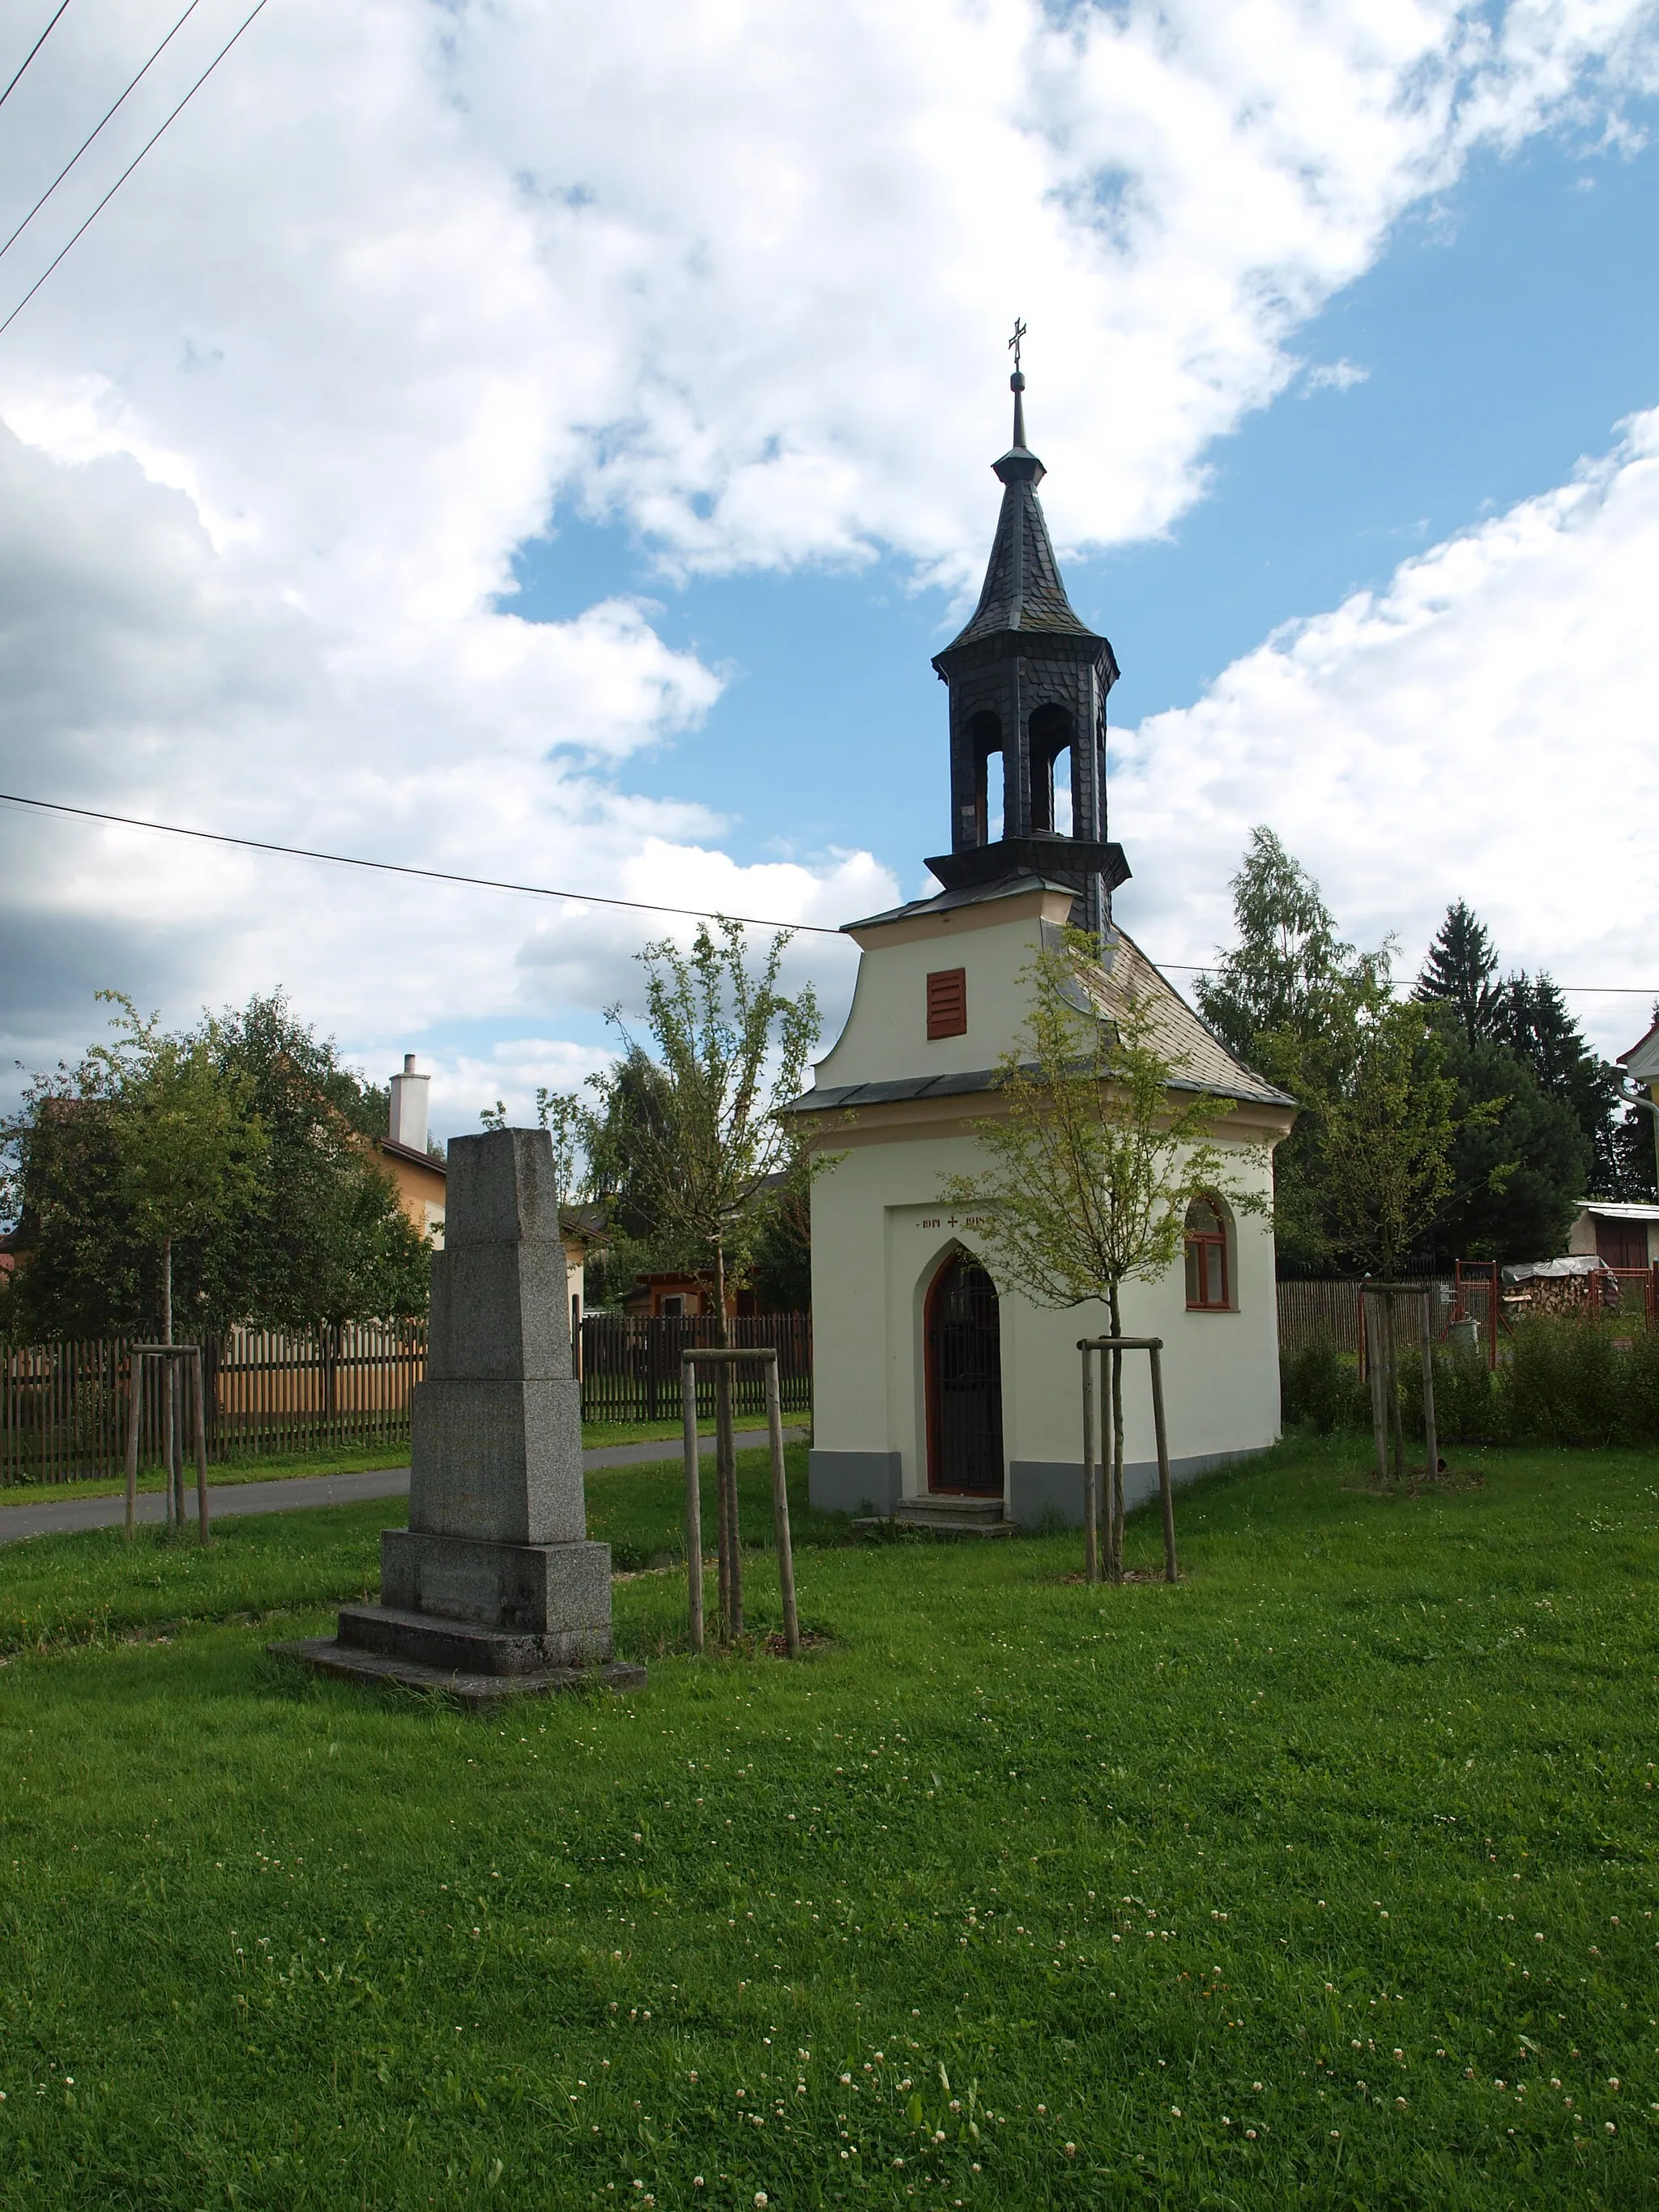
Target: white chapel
936,1393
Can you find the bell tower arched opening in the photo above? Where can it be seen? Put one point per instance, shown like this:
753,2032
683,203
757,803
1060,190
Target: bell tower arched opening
983,813
1050,733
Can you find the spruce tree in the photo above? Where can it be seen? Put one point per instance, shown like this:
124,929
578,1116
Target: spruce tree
1460,972
1532,1019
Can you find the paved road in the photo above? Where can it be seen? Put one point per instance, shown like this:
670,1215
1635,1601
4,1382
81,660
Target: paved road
225,1499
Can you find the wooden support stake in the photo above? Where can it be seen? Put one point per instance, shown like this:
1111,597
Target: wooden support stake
1375,1365
1091,1473
725,1455
1430,1434
1396,1424
200,1445
1115,1547
135,1408
693,1505
780,1511
1165,1481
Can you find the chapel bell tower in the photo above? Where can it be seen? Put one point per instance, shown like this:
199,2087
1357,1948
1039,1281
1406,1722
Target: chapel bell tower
1028,684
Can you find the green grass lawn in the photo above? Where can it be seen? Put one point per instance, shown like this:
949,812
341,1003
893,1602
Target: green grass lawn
1325,1878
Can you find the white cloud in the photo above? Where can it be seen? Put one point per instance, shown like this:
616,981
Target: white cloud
404,278
1334,376
1481,729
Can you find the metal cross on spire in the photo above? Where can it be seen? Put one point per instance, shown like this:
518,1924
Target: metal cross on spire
1013,343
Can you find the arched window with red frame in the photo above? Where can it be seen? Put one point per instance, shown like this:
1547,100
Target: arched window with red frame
1208,1289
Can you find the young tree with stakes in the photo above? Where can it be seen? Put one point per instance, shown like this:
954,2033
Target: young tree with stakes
707,1163
1092,1164
189,1153
1388,1141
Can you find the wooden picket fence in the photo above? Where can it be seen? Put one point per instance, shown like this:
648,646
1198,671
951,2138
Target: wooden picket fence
1312,1311
64,1407
630,1367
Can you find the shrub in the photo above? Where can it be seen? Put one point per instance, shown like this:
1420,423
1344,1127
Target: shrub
1465,1400
1320,1389
1562,1383
1564,1380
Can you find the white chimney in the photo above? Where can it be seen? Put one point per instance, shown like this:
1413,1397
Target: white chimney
409,1106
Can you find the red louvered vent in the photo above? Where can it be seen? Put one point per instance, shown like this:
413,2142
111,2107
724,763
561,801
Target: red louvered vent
947,1003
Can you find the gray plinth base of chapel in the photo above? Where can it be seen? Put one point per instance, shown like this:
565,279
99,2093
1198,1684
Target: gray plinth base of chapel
492,1591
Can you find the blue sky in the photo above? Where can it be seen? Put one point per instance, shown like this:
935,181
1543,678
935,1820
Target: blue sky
1342,359
1511,323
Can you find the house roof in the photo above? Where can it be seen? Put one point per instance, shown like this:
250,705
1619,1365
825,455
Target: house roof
1619,1209
416,1158
1642,1058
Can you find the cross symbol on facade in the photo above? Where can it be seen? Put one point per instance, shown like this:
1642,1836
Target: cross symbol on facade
1013,343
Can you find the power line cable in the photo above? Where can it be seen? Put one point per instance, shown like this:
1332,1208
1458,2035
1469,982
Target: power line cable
405,868
131,166
87,140
586,898
29,56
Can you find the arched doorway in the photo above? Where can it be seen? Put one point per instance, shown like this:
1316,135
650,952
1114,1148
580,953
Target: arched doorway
964,1379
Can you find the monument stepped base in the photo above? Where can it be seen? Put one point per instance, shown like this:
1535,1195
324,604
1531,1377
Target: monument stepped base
478,1667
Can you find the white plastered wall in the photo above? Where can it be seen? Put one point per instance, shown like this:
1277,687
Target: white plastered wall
879,1235
886,1032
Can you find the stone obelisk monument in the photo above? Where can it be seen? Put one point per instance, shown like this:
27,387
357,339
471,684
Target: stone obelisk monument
493,1591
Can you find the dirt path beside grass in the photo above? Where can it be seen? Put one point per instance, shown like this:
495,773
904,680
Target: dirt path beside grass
65,1516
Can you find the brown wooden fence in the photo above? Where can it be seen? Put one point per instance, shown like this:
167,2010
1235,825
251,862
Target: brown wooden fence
1312,1311
64,1407
631,1368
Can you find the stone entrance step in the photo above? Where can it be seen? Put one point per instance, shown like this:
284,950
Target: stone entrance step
950,1513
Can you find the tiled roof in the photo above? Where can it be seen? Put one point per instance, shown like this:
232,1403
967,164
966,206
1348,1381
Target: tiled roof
1185,1040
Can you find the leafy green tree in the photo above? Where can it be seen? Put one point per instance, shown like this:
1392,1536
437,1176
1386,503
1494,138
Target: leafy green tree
312,1236
125,1172
692,1151
1460,972
686,1140
324,1240
1388,1136
781,1266
1092,1164
1288,961
1287,1000
189,1147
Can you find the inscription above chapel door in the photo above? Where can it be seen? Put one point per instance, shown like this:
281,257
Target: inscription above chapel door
964,1379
